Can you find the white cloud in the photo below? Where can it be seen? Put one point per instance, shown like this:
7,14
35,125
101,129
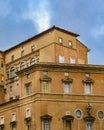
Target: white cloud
98,31
39,15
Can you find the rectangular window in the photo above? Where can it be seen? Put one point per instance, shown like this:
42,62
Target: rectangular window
12,58
13,117
29,126
61,59
32,48
2,120
60,40
28,112
70,44
28,88
72,60
67,87
45,86
22,53
88,125
46,124
87,88
2,65
13,127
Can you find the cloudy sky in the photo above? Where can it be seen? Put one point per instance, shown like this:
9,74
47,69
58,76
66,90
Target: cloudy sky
22,19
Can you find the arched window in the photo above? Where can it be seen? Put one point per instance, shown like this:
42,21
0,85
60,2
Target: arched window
12,72
22,65
32,61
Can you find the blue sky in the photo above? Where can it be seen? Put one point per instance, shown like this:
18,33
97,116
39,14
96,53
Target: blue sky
22,19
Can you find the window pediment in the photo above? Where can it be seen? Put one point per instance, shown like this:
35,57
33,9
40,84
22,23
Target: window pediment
89,118
67,79
68,118
13,123
46,117
88,80
45,78
27,119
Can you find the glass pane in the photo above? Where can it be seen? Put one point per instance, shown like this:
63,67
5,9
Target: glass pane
100,115
89,125
78,114
66,87
46,124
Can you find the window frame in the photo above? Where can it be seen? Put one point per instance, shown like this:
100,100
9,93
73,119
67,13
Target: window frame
28,89
67,87
45,86
88,88
12,72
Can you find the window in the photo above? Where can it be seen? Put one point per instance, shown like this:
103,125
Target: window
67,88
61,59
32,48
72,60
45,86
12,72
28,126
60,40
22,53
32,61
28,90
12,58
13,127
89,125
87,88
78,114
70,44
2,120
67,122
22,65
100,115
87,75
28,112
13,117
2,78
46,120
2,65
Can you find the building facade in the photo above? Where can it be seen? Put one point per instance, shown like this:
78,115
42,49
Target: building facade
46,83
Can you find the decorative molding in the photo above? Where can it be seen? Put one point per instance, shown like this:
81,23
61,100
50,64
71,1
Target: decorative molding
46,117
68,118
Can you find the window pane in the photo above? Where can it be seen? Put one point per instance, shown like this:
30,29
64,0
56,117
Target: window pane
89,125
60,40
32,61
45,86
66,87
28,92
100,115
12,72
78,114
46,124
88,88
61,59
